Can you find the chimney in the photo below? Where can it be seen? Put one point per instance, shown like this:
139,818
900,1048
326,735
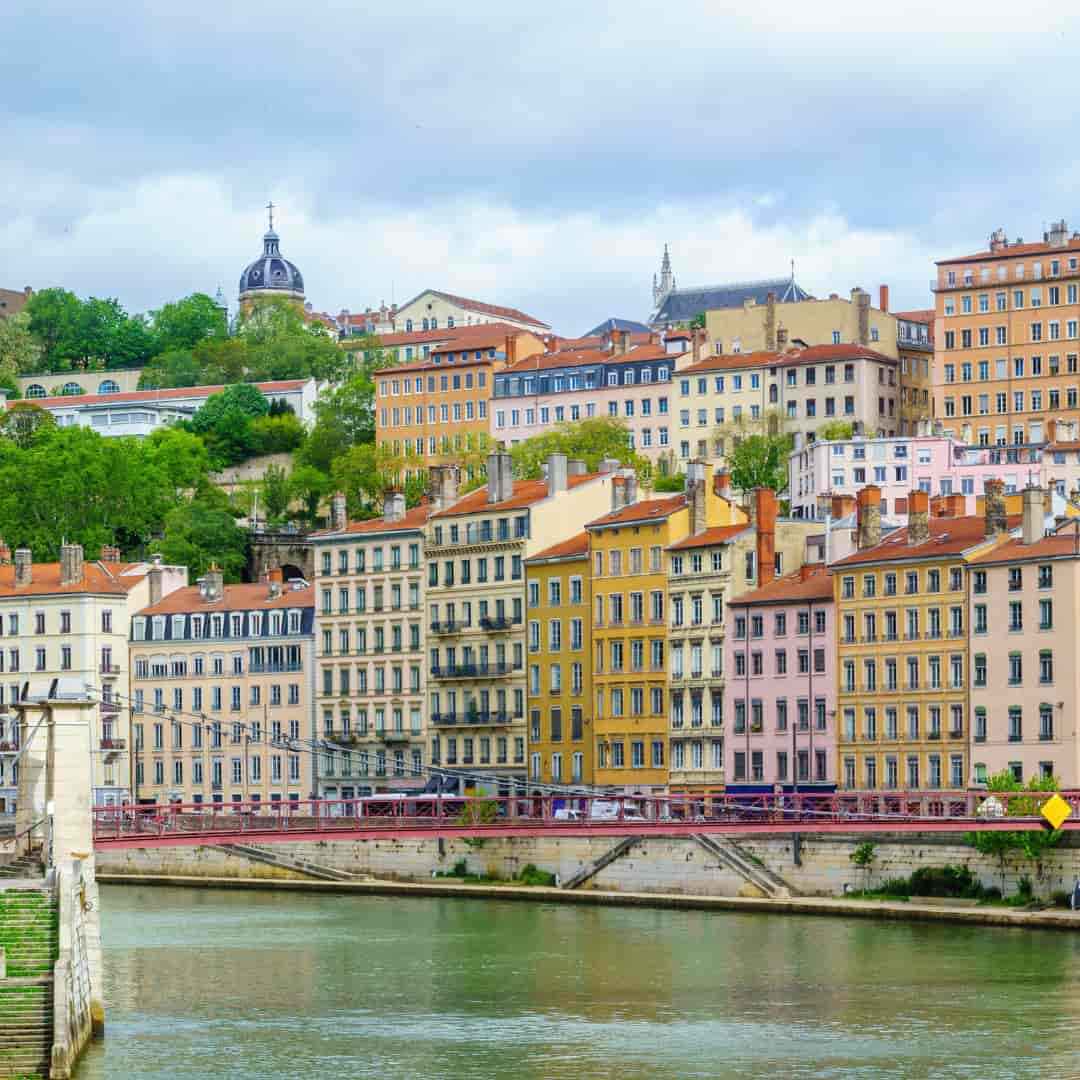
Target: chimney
947,506
110,554
576,467
212,585
393,505
24,566
918,517
722,484
994,508
697,342
443,485
609,465
500,477
5,553
510,348
697,486
765,515
868,506
1051,430
71,564
1034,516
556,473
861,299
841,506
618,492
153,578
770,322
622,342
781,338
338,513
274,581
883,298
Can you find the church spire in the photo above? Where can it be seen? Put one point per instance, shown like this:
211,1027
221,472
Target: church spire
666,284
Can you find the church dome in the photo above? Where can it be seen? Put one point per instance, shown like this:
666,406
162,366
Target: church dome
271,273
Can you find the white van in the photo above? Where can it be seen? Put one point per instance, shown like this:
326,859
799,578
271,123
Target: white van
608,810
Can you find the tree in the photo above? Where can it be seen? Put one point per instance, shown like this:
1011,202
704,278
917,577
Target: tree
310,487
185,323
203,532
179,456
589,440
225,422
282,345
760,461
275,492
365,472
835,430
19,350
53,316
22,421
1033,843
672,482
176,367
277,434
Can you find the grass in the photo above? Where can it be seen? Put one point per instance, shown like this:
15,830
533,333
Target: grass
530,876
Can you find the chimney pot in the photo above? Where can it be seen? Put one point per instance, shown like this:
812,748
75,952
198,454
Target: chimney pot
24,566
994,508
918,517
883,298
71,564
393,505
1034,515
765,523
338,511
557,473
868,506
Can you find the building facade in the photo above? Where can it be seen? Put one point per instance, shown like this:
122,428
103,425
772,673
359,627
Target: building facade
370,641
222,694
1007,346
915,346
558,614
475,548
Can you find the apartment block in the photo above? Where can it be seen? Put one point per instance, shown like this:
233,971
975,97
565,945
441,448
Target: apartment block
915,346
370,641
558,614
1007,347
222,692
71,620
475,548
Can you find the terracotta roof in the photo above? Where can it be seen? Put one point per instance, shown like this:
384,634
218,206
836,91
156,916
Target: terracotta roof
811,582
812,354
150,396
1013,251
109,578
430,365
487,309
719,534
526,492
425,337
948,536
650,510
923,315
413,519
1059,545
577,547
235,598
579,357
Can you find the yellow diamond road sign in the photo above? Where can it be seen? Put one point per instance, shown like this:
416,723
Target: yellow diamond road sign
1056,810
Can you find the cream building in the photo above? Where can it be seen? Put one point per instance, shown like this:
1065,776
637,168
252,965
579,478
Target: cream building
475,548
433,310
369,639
71,619
221,692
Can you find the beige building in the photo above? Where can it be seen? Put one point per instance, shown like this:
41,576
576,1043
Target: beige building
432,310
475,548
369,637
71,619
776,325
221,693
75,383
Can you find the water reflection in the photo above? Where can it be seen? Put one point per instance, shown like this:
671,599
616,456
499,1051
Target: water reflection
232,984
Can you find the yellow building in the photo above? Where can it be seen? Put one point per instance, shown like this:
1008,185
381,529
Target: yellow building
558,610
629,581
475,547
902,646
775,325
915,341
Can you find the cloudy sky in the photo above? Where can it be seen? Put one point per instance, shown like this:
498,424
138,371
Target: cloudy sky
537,155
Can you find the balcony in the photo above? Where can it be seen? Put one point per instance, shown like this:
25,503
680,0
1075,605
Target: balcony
113,744
496,622
346,738
275,669
110,708
9,748
471,671
935,735
447,627
444,719
110,669
393,737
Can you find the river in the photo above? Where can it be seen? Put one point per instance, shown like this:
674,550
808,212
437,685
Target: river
208,984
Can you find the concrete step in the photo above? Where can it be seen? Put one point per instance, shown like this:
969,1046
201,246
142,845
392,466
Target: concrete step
609,856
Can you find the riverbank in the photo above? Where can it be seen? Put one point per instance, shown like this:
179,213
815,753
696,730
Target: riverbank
803,905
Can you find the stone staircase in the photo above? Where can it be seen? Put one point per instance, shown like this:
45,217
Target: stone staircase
740,862
21,866
28,937
269,857
594,868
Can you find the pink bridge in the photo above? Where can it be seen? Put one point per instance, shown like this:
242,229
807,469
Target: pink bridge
431,816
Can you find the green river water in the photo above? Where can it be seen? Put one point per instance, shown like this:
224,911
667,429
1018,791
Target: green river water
207,984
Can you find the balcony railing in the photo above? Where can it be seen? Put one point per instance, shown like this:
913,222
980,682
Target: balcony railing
110,708
113,744
447,627
393,736
444,719
110,669
271,669
8,747
470,671
496,622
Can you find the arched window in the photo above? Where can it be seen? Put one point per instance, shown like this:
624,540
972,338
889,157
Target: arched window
70,388
449,322
434,323
109,386
408,326
425,324
36,390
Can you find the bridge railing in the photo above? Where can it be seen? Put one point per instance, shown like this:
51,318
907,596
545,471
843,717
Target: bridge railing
490,813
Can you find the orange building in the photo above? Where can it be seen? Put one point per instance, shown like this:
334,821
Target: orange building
435,411
1007,339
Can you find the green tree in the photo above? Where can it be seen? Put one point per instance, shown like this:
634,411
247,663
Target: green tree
225,422
53,316
277,434
21,422
275,492
179,457
203,532
19,350
365,472
760,461
185,323
282,345
835,430
222,361
309,486
589,440
672,482
174,367
345,412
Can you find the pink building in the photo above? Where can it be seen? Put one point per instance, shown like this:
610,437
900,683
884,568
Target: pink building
936,464
779,662
1025,636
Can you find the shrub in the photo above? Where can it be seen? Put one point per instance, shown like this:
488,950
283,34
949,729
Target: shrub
946,881
530,875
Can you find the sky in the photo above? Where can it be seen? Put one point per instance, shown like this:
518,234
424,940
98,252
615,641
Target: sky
532,155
